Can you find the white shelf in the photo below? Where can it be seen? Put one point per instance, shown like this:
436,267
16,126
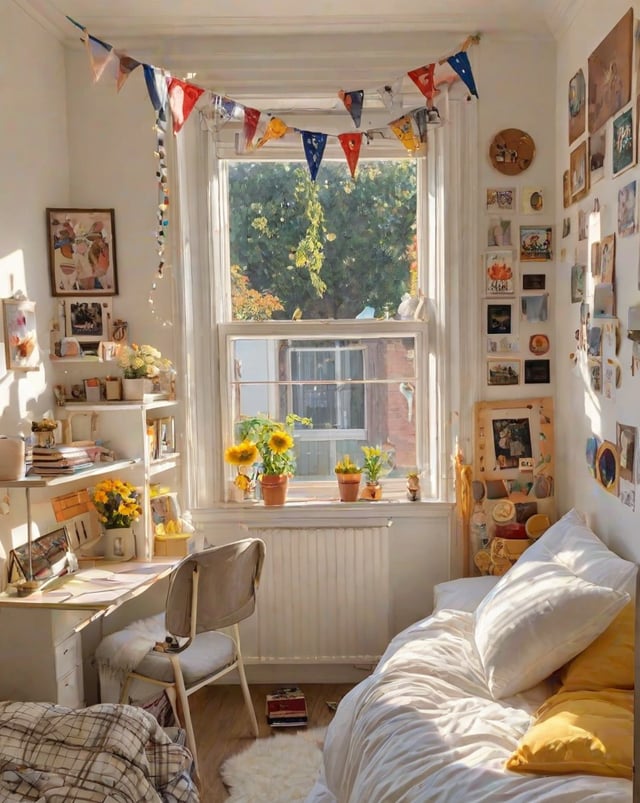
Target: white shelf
164,463
111,406
36,481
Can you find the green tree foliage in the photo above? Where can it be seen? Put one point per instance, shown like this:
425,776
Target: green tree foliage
330,247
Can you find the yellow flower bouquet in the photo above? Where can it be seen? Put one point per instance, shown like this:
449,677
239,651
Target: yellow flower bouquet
117,503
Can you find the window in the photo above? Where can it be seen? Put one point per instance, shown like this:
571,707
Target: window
320,275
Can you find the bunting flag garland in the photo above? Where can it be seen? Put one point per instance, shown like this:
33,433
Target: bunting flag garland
182,99
353,102
391,95
251,118
314,145
351,146
403,129
423,77
460,63
156,88
126,65
420,117
276,129
100,54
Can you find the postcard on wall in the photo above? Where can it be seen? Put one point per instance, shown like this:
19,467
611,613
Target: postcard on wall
536,243
499,233
566,227
499,273
500,319
595,260
532,200
627,443
623,145
608,258
566,190
578,172
627,209
501,199
577,105
503,372
610,73
535,309
597,151
583,220
534,281
577,283
604,300
502,344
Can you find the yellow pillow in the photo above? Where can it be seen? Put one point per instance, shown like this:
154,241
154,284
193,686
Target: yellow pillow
579,731
607,663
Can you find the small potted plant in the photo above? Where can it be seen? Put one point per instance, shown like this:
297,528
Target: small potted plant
348,475
141,365
377,463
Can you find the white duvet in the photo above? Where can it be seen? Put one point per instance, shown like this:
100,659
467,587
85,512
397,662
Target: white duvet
423,727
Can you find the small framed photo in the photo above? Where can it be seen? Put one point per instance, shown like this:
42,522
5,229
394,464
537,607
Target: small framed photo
500,319
597,150
501,199
82,252
534,281
20,337
623,145
531,200
503,372
499,233
499,273
502,344
578,172
536,243
88,319
537,372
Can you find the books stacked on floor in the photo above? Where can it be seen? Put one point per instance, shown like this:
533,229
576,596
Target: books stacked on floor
49,461
287,708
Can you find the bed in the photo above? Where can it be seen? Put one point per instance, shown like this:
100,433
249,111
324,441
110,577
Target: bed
101,753
455,696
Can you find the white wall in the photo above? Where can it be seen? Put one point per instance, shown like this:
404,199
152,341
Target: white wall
580,412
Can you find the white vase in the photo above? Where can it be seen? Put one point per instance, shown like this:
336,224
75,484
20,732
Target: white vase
119,543
134,389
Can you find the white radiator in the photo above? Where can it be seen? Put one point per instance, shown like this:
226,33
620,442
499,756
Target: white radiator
324,595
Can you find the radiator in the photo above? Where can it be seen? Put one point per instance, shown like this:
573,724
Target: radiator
324,595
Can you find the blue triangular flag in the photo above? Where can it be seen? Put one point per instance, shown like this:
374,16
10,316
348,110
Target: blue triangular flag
353,104
314,144
460,63
156,87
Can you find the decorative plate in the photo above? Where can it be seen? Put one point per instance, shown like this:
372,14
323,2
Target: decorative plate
504,512
512,151
538,344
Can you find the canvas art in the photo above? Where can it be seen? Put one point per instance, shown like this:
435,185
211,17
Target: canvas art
499,273
501,199
536,243
597,151
622,145
627,209
610,73
577,106
578,172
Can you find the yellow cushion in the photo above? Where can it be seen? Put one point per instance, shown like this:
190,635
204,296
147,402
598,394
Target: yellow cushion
607,663
579,731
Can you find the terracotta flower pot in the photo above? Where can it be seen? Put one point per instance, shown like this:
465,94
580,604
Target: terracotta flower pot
348,486
274,488
372,491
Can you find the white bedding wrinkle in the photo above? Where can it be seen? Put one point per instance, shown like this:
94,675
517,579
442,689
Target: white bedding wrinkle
423,728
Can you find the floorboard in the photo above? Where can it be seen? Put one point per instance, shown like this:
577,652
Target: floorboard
222,727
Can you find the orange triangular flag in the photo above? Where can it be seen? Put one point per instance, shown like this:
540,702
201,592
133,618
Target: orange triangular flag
403,129
276,129
126,65
182,99
422,77
351,146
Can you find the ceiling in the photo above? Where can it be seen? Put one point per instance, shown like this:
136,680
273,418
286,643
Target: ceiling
246,48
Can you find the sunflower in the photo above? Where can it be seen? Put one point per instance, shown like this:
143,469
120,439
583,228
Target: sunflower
280,442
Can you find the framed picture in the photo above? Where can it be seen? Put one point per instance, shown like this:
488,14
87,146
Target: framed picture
88,319
627,205
578,273
610,73
500,319
20,338
532,199
499,233
501,199
597,150
82,252
499,273
578,172
49,555
503,372
536,243
566,190
537,372
534,281
623,152
577,106
502,344
608,258
535,308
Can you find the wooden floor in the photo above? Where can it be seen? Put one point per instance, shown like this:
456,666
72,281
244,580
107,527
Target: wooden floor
222,726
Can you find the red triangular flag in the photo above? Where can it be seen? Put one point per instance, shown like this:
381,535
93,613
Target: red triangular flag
182,99
422,77
251,118
351,146
126,65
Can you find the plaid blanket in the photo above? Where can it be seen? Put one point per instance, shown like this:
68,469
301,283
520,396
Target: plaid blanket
114,753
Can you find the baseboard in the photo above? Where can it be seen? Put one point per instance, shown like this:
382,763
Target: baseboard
295,674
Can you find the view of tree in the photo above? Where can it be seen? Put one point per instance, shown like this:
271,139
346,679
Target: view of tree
327,248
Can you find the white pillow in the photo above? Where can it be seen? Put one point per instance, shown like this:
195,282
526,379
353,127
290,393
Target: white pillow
464,594
561,594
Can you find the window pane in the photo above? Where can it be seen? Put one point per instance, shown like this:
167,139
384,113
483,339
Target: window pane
330,249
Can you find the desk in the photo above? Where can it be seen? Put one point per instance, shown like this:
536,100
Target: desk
41,634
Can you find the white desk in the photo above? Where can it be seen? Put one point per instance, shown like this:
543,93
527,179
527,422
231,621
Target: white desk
41,633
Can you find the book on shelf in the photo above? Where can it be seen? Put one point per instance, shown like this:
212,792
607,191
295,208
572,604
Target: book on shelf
52,471
286,707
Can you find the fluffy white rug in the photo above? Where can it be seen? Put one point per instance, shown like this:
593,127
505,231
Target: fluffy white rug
279,769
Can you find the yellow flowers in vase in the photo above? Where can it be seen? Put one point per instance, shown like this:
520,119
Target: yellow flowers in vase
116,503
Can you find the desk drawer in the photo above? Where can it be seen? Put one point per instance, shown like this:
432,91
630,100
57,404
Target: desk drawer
68,655
71,689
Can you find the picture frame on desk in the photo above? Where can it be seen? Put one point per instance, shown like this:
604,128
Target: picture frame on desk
88,319
49,557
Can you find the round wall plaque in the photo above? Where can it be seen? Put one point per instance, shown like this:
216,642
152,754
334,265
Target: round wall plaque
511,151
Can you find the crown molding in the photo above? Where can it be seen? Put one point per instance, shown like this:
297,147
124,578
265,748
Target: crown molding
561,14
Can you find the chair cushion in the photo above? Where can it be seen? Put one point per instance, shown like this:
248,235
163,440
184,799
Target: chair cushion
207,654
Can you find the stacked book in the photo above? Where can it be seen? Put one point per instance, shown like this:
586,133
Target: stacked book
60,459
287,708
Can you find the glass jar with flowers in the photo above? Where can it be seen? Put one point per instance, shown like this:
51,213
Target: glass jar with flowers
43,431
274,455
141,365
244,456
348,475
118,506
377,463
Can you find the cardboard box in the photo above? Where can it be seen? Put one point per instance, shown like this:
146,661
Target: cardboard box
178,545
